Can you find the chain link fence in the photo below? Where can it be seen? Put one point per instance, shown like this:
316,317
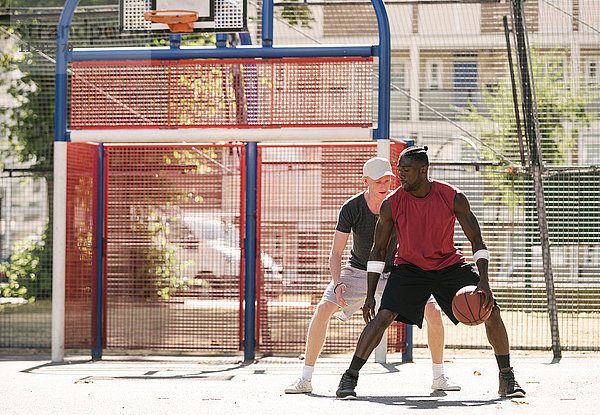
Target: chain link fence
451,91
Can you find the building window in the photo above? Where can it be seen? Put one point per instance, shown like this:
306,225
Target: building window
555,70
465,75
592,76
398,75
434,75
399,101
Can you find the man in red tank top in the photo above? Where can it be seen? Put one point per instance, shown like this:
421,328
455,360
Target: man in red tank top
427,262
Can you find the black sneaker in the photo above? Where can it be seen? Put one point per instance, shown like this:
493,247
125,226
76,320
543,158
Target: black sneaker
347,385
509,387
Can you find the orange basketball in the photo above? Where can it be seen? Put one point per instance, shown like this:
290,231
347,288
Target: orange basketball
468,308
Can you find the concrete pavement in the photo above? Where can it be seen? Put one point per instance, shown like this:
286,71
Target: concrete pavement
226,385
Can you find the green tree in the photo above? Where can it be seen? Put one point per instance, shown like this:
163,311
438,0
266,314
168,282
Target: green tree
562,117
297,16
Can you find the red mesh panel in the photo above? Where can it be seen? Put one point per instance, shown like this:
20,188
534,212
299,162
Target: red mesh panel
173,252
222,93
80,253
302,188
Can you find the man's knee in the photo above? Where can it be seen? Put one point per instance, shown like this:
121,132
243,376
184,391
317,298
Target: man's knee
325,310
433,314
495,319
384,318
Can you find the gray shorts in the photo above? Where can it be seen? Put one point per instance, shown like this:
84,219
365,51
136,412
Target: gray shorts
356,291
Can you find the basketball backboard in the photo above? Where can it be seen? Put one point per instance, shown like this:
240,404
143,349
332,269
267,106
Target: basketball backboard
213,15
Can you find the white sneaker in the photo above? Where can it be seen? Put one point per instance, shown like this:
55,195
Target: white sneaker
299,386
443,383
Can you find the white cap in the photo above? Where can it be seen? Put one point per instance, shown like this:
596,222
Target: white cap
377,167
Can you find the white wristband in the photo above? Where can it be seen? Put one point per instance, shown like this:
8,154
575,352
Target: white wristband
482,253
375,266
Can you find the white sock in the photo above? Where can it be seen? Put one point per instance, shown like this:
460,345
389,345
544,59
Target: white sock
438,370
307,372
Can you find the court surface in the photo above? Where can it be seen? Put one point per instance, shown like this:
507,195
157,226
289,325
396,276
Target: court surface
225,385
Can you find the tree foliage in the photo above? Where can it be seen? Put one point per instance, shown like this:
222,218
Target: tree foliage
562,117
561,112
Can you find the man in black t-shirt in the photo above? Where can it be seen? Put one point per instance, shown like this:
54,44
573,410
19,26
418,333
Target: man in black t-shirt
346,293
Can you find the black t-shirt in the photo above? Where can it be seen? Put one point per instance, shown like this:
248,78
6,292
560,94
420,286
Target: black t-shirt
356,217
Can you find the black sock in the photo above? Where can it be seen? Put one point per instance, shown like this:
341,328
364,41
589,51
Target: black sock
503,360
357,363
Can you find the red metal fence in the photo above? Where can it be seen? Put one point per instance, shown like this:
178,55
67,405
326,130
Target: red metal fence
174,236
302,188
225,93
80,252
173,247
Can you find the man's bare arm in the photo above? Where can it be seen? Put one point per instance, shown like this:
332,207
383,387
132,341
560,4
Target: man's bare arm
340,240
472,231
383,232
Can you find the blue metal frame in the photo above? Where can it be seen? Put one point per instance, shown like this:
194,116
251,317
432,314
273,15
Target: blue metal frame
267,23
220,53
97,350
384,52
61,80
267,51
250,251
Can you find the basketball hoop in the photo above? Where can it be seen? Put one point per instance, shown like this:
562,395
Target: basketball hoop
179,21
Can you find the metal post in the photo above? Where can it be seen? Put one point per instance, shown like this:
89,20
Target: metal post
250,251
221,39
514,91
97,349
536,163
62,58
384,52
175,40
60,182
407,355
382,134
267,23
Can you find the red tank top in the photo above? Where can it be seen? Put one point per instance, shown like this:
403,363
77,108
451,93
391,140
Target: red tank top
425,227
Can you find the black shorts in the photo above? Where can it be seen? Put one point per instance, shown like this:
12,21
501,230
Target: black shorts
409,287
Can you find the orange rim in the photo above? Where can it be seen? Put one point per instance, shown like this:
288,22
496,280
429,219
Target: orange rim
177,20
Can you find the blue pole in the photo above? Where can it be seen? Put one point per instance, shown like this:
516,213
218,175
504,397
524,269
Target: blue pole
175,40
62,57
407,355
97,350
385,58
221,40
250,251
267,23
215,53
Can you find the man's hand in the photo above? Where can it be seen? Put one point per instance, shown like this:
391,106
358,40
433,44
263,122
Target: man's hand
484,287
339,291
368,309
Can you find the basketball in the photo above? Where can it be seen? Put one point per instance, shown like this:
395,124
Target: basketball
468,308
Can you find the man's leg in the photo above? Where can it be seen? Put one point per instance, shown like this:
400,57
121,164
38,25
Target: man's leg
496,333
435,332
435,341
498,338
369,339
317,331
